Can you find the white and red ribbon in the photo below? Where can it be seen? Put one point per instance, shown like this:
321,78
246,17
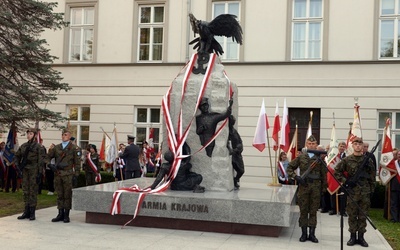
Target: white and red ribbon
93,167
176,139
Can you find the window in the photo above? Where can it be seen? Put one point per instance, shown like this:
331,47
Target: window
151,33
147,118
389,29
79,123
231,49
394,128
307,26
81,34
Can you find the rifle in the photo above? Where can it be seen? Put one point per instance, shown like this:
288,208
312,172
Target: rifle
352,181
24,161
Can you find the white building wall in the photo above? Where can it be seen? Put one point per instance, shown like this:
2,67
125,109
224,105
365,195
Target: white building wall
116,84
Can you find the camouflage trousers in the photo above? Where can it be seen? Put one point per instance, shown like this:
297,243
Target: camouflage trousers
29,186
63,187
308,198
357,220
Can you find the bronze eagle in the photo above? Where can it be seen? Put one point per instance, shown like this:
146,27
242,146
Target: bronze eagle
222,25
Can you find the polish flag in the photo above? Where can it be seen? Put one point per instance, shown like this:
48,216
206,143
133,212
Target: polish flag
277,128
387,162
260,137
285,130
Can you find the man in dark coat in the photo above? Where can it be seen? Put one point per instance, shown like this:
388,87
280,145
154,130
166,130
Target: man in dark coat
131,158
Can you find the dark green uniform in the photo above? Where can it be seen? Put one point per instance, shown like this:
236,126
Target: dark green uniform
360,194
309,194
31,171
69,160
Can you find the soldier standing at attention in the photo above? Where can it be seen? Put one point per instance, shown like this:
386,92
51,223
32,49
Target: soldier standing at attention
67,164
29,160
359,189
310,188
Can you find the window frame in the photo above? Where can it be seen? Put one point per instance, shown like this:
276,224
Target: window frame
394,129
307,20
147,125
151,25
395,17
73,4
79,124
224,43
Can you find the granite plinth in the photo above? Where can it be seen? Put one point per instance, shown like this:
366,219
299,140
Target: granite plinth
246,211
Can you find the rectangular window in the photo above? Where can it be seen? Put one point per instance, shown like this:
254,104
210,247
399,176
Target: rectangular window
307,23
231,48
147,118
79,123
389,34
151,33
81,34
394,116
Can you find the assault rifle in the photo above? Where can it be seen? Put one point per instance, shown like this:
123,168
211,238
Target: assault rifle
24,161
352,181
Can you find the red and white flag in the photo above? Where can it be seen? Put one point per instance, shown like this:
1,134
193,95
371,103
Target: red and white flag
355,129
151,140
102,154
387,163
112,150
309,129
260,136
292,150
277,128
333,158
285,130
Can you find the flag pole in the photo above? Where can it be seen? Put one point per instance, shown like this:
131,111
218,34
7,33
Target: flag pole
269,150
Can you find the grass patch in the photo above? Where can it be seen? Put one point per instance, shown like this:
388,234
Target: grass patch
13,203
390,231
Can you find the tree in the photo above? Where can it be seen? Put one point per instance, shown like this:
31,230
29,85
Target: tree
27,80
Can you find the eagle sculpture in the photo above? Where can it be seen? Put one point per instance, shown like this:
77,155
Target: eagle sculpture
222,25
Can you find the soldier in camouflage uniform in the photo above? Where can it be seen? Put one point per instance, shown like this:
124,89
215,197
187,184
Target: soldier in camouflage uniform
310,189
358,190
67,167
29,159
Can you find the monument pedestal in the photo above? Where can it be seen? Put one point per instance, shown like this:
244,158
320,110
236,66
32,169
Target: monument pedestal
246,211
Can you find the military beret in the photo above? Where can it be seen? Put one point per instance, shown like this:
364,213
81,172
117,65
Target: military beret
33,130
358,139
131,137
311,138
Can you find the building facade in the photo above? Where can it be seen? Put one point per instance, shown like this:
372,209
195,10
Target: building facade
120,57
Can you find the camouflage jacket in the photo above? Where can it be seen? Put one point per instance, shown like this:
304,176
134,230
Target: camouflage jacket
34,157
69,158
348,167
303,162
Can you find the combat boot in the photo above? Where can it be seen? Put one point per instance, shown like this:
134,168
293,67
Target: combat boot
60,216
312,237
303,236
352,240
361,240
25,214
32,213
66,215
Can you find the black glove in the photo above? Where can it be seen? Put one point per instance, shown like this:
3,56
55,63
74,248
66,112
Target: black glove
350,183
300,180
74,181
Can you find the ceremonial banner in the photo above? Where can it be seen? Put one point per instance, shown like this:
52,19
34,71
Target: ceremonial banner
387,161
333,158
355,129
